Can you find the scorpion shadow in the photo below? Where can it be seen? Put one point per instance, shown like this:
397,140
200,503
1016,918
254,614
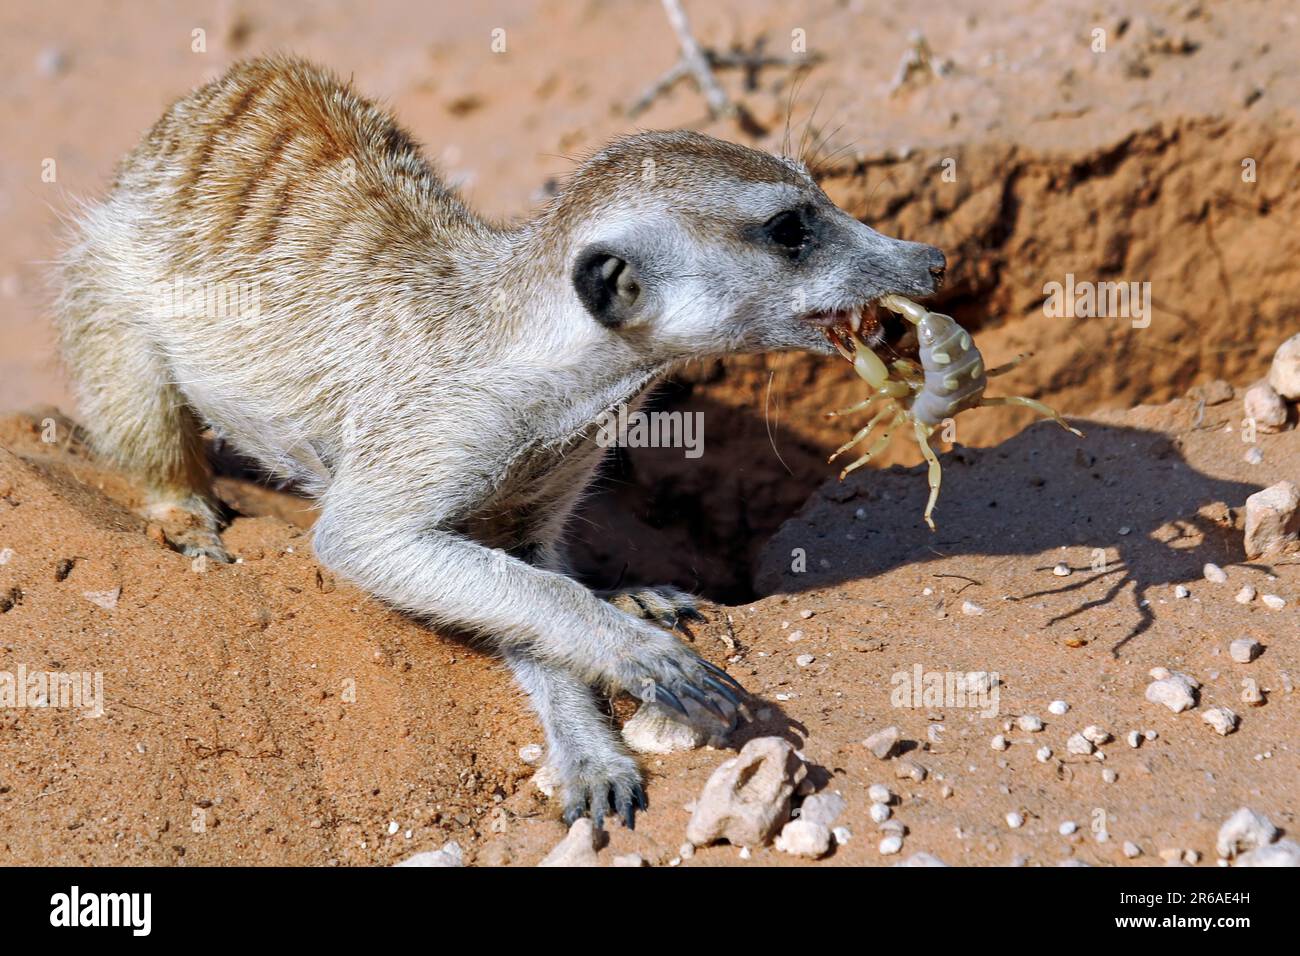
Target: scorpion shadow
1121,491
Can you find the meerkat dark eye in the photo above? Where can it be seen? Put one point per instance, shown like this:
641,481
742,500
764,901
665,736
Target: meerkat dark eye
608,285
789,230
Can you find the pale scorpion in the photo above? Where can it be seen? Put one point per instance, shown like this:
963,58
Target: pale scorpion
950,379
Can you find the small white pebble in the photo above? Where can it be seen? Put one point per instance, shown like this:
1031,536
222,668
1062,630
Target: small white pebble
530,753
1223,720
1058,707
1043,754
1131,849
1067,828
1108,775
879,812
1062,570
805,614
1214,574
1029,723
1125,529
1134,739
879,793
794,637
1096,734
891,845
1254,455
1245,595
1191,857
842,835
1273,601
1150,734
1181,592
1015,820
1079,744
803,660
744,853
393,827
1244,650
999,743
970,607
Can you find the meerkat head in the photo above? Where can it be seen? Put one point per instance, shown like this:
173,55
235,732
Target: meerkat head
686,245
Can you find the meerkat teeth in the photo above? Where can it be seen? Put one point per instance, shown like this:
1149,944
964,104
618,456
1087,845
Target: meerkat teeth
855,319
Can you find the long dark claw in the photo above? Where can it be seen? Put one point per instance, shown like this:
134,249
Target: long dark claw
629,815
718,687
724,676
691,614
704,700
664,695
639,797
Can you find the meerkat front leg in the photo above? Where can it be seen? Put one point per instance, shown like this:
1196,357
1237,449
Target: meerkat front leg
458,582
597,775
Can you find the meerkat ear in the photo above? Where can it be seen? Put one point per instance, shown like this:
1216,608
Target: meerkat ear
608,285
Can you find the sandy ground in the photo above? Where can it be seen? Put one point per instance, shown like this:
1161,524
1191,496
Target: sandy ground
265,712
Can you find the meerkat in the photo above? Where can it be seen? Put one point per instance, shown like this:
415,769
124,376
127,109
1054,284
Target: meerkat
436,380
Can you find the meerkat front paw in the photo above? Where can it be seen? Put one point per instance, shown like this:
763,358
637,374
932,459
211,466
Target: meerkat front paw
664,605
664,670
600,782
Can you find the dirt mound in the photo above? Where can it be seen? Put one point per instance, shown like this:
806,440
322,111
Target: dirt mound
265,712
261,712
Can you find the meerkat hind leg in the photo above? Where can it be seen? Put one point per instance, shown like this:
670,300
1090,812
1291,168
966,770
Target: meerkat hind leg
138,417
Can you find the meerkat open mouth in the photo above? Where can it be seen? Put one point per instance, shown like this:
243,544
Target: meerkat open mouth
842,327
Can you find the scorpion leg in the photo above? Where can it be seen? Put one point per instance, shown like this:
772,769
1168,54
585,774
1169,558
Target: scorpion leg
1003,369
878,447
923,433
860,436
1044,410
853,408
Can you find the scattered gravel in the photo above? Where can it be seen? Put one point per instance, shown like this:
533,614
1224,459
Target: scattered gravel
1133,739
578,848
1266,407
1245,595
999,743
1131,850
450,855
1062,570
1284,372
971,608
922,859
1067,828
803,660
1214,574
883,742
1271,519
1029,723
1244,649
1079,744
1043,754
1181,592
804,838
879,793
1058,707
880,812
1273,601
891,845
1015,820
1244,830
824,808
1095,734
1223,720
1176,691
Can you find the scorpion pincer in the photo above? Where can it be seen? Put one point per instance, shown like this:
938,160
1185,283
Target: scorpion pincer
950,379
